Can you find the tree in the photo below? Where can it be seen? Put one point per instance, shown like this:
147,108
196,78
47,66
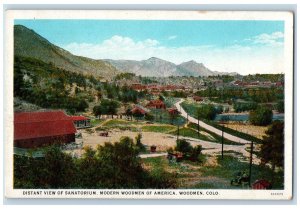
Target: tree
280,106
97,111
139,144
207,112
272,148
149,117
261,116
109,107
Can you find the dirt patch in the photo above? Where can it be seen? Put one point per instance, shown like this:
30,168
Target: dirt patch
211,161
257,131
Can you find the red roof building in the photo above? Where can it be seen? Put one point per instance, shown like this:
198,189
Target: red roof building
197,98
261,184
81,121
37,129
139,110
157,104
173,111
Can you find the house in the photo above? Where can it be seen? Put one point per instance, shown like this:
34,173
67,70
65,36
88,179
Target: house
139,110
197,98
173,111
37,129
81,121
157,104
261,184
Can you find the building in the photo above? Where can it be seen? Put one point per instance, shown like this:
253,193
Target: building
157,104
261,184
37,129
81,121
197,98
173,111
139,110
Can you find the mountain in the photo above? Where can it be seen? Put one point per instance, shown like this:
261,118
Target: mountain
155,67
151,67
193,68
27,43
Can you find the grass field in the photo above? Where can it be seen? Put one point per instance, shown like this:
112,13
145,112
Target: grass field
158,128
119,122
190,132
194,175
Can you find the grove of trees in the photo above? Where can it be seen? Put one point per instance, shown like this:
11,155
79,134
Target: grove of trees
109,166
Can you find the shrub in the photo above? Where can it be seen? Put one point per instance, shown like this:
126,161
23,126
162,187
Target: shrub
183,146
261,116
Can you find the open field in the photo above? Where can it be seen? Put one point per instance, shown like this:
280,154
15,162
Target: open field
256,131
213,173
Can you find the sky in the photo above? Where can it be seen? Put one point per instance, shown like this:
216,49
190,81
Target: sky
245,47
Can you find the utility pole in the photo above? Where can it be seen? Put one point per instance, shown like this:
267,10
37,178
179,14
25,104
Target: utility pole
198,128
250,166
222,142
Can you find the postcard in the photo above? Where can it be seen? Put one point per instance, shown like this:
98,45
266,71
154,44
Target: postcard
148,104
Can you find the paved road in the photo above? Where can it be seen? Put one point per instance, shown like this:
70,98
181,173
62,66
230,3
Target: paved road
208,127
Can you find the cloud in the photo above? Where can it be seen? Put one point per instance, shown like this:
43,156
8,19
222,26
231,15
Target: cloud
243,58
172,37
273,39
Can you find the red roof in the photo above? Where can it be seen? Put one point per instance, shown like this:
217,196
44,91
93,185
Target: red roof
28,125
78,118
261,184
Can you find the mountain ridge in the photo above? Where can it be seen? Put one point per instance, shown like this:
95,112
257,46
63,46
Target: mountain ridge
28,43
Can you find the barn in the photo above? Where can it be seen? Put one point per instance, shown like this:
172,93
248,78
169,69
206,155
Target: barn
37,129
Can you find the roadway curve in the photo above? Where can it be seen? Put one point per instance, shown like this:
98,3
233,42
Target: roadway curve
209,127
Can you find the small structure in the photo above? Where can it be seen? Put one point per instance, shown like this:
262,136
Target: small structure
197,98
105,133
81,121
153,148
139,110
175,156
261,184
173,111
157,104
37,129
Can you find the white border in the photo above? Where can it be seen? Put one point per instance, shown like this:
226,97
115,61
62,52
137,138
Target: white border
287,17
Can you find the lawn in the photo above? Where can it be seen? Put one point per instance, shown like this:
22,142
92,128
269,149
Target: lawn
96,122
194,175
190,132
119,122
158,128
162,116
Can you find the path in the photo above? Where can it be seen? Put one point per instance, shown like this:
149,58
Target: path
153,155
209,127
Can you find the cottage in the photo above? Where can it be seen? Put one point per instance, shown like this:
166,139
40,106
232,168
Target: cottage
157,104
81,122
197,98
37,129
261,184
173,111
139,110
